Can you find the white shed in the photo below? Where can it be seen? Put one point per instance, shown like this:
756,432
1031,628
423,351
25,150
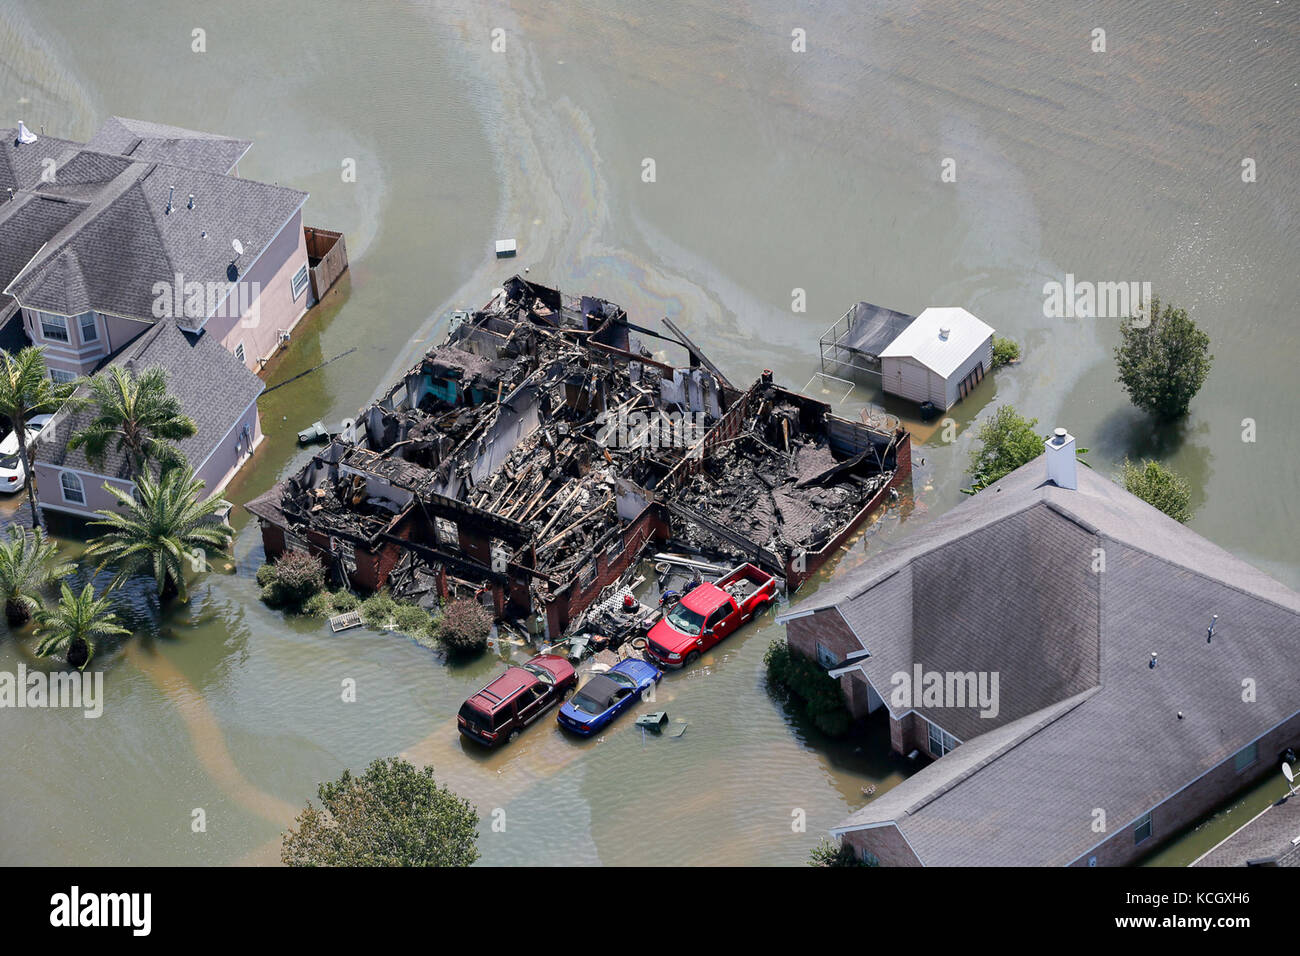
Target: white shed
938,358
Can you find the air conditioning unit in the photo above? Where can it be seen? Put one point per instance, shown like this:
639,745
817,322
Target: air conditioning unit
284,336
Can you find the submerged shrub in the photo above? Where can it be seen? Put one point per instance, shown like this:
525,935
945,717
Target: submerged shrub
463,626
829,853
378,609
292,580
804,683
329,603
411,619
1005,351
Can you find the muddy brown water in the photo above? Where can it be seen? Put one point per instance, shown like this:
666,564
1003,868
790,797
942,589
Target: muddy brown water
775,171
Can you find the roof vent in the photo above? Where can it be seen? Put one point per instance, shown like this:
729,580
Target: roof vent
190,204
171,190
25,136
1062,467
943,332
1209,631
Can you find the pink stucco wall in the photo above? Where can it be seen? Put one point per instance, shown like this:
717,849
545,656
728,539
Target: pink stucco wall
227,457
275,308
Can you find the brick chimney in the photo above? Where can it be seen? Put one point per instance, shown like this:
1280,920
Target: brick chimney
1062,467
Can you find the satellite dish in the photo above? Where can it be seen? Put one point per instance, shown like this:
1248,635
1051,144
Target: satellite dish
1288,772
237,246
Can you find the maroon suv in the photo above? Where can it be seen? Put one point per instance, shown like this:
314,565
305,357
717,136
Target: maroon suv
514,700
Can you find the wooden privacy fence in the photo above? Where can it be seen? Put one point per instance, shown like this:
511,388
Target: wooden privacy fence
327,257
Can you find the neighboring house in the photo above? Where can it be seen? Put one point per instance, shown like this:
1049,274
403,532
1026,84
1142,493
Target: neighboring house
1271,838
939,358
1063,585
102,240
214,389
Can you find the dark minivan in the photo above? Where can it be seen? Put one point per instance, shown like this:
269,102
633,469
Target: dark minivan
514,700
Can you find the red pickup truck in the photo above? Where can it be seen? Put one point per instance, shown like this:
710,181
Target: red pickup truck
708,613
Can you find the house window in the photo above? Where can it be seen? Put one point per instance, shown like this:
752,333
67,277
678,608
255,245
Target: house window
54,327
89,332
1246,756
588,574
60,377
941,742
825,658
1142,831
239,353
299,281
73,493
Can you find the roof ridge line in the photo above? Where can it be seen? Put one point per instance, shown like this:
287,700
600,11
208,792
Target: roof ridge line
1213,580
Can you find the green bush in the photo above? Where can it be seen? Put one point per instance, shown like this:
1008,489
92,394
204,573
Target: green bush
829,853
1159,487
329,603
808,685
463,626
411,619
292,580
1005,351
378,609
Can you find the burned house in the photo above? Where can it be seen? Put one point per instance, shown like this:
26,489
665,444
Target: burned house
532,457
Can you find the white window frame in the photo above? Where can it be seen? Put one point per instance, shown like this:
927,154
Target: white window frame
301,279
826,658
239,353
941,742
63,487
82,329
48,321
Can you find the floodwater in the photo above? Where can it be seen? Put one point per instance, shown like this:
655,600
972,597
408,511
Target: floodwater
774,171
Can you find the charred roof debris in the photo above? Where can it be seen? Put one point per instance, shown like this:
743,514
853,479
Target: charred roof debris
533,456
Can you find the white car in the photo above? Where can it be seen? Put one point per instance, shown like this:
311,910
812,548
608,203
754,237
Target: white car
12,475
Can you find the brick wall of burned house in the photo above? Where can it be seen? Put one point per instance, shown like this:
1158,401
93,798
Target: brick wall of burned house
605,567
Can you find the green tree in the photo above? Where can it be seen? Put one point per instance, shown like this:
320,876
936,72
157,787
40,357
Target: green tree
1007,441
1159,487
25,391
28,565
138,416
1005,351
76,625
829,853
164,527
392,815
1163,362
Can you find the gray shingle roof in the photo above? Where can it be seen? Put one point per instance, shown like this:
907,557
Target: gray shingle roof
120,240
213,386
157,142
1004,582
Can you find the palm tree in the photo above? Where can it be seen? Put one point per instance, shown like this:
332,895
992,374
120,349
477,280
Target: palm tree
26,390
76,624
165,525
137,411
27,567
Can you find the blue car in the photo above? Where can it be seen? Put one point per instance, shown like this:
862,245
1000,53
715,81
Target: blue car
607,695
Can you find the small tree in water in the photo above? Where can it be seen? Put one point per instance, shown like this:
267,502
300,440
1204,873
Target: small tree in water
75,626
1007,441
1163,364
1159,487
392,815
28,565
